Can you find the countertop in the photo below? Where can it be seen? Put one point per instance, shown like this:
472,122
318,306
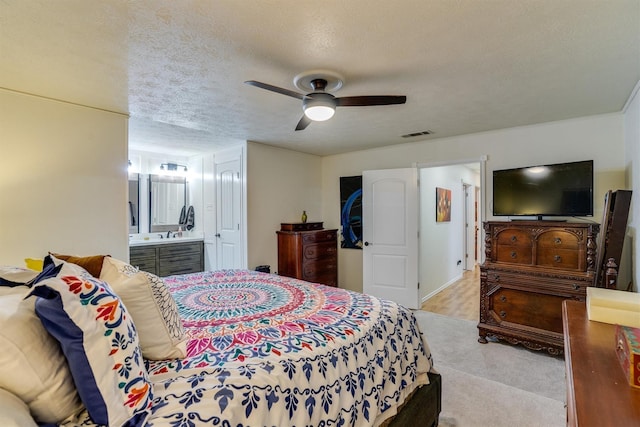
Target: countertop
163,241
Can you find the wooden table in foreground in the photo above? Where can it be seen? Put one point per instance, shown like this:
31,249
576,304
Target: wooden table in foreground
598,394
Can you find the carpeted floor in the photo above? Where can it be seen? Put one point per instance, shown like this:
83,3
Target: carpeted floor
494,384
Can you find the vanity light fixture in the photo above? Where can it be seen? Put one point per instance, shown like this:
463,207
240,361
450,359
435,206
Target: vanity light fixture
172,167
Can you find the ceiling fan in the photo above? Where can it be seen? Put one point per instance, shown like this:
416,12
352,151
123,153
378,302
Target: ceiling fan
320,105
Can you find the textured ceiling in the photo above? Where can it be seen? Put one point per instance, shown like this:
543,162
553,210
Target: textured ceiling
466,66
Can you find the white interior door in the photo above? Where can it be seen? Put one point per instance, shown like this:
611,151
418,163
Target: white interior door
390,235
228,215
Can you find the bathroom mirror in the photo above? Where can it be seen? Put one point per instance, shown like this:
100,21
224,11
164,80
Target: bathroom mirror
167,197
134,203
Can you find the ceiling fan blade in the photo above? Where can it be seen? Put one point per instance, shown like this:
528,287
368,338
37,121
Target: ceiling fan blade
275,89
303,123
363,101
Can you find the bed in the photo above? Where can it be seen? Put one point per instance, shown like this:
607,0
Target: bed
286,352
267,350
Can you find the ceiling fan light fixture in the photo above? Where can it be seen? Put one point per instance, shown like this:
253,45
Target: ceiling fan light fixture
319,113
319,107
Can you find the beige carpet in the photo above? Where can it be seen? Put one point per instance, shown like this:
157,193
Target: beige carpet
492,385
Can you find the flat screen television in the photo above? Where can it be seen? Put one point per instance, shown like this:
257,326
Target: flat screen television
562,189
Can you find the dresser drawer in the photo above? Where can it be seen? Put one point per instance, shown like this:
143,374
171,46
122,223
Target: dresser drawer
325,276
514,237
319,236
320,250
532,309
514,254
568,288
567,259
558,240
313,268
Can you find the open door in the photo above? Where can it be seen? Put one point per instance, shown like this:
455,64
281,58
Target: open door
390,235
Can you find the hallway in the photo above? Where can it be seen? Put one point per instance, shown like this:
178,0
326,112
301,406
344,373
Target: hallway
460,300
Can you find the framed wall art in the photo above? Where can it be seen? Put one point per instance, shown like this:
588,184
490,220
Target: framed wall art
443,205
351,212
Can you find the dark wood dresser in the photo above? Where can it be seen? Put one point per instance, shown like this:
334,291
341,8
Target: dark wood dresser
307,251
598,393
531,267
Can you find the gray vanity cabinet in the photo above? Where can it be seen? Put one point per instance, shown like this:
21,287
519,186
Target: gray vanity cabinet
168,259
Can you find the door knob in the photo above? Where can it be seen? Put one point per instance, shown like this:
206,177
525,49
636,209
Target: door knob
217,234
366,243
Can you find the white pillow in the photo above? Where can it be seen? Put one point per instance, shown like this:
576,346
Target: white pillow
32,365
10,275
152,307
13,411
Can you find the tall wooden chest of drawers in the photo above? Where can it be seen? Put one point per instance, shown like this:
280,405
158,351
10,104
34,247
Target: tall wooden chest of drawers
307,251
530,268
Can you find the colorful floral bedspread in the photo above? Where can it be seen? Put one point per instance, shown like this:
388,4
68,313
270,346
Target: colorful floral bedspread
267,350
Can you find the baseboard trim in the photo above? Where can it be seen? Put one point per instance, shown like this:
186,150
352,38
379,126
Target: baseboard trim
441,288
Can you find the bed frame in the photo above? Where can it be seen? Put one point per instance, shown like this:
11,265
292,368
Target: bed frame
422,408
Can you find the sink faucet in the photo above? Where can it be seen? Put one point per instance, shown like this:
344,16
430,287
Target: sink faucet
168,234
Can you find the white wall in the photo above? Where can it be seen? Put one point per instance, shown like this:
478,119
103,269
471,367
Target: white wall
600,138
280,185
63,179
632,163
439,263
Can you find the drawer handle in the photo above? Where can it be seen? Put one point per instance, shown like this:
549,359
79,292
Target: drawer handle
576,286
557,240
514,255
503,314
514,239
557,258
497,278
503,298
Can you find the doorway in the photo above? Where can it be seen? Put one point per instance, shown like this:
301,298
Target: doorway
224,205
451,248
470,226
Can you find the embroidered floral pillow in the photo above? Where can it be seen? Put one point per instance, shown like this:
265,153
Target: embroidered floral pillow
153,309
100,342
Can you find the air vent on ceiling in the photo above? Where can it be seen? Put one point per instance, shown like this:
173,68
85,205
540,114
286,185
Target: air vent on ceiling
411,135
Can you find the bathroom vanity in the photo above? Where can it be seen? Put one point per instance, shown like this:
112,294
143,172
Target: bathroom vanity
166,257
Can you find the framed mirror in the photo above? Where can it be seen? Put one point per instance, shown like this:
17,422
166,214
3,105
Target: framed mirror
134,203
167,198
